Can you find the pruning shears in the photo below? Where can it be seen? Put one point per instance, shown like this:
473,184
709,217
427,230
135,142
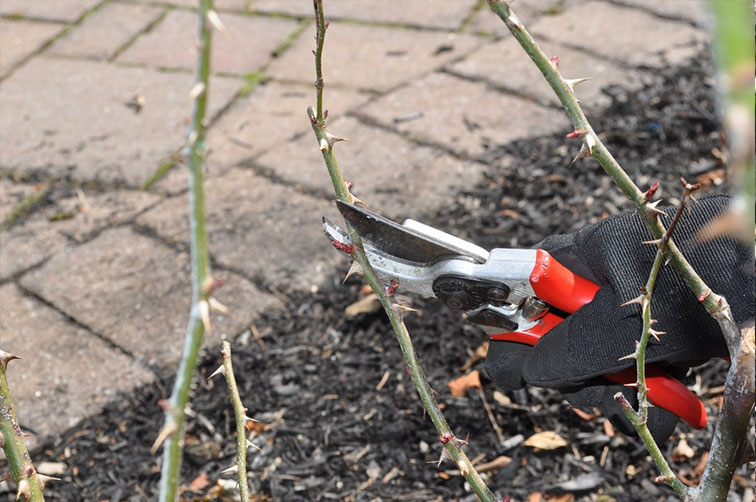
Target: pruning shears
522,292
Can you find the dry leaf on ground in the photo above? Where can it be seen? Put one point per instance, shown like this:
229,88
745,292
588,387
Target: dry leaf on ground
459,386
546,440
366,305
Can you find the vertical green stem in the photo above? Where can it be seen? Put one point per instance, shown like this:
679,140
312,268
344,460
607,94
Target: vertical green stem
240,418
317,119
19,461
195,154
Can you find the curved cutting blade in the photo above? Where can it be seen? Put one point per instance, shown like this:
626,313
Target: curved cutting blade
415,243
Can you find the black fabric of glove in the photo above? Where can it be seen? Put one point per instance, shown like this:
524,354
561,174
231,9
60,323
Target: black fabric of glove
590,342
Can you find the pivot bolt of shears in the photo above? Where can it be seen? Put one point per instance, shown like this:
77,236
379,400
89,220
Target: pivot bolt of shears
497,296
533,308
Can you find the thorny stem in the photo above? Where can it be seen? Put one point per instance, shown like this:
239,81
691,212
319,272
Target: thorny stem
639,418
715,305
201,281
12,440
241,418
730,427
392,309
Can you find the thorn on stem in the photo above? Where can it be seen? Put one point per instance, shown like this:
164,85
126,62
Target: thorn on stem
324,146
220,371
218,306
554,61
234,468
169,429
355,268
5,358
656,334
196,91
571,83
212,16
44,479
575,134
24,490
203,306
583,153
638,299
652,210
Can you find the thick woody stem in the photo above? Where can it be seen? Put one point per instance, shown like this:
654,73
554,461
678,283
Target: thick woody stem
452,448
173,430
240,418
12,440
731,435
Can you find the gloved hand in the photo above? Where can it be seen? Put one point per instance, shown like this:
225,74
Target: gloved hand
589,343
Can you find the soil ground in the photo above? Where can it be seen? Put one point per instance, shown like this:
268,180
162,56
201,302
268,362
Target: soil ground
339,416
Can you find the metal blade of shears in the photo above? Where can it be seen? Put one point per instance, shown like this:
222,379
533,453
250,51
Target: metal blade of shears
413,241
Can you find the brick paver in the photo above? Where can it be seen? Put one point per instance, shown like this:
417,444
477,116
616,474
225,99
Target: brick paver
20,39
504,64
136,294
66,373
384,58
485,21
53,10
439,108
100,284
388,172
68,221
257,227
245,47
271,115
106,31
219,4
429,14
82,126
690,10
634,39
12,194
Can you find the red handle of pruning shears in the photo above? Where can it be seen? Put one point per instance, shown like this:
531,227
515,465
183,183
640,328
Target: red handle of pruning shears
559,287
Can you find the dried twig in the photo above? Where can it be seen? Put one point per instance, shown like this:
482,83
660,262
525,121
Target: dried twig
240,415
12,441
452,445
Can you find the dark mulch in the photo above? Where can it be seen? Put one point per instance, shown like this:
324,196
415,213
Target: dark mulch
334,436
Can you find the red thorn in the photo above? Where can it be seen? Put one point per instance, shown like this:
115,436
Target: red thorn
164,404
342,246
325,26
445,438
313,51
555,63
313,120
392,287
651,191
574,134
348,185
409,371
325,114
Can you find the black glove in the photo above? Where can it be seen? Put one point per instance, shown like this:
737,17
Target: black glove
589,343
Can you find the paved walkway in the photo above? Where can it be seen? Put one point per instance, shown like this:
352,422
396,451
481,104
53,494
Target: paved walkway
94,266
